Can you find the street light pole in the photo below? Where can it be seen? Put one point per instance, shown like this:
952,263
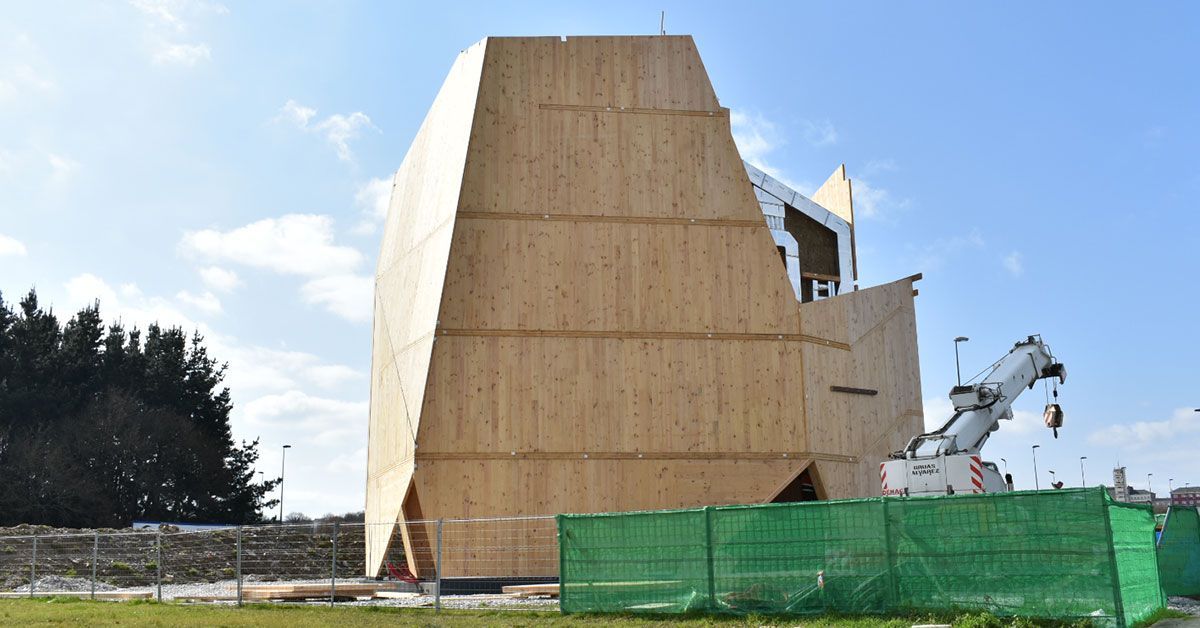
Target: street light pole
1036,486
1082,477
282,470
1150,489
958,370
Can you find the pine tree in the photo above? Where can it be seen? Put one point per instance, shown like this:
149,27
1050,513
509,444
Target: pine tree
98,429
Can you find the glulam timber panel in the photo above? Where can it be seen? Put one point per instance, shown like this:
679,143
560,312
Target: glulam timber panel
604,276
408,284
612,394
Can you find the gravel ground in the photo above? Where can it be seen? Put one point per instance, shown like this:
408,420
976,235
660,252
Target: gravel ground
59,583
489,601
229,588
1185,605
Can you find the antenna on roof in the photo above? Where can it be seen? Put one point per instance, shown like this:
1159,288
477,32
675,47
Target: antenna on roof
662,22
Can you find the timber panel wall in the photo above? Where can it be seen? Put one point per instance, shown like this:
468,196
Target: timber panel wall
614,330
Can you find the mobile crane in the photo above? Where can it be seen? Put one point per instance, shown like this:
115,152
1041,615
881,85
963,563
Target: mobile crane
947,460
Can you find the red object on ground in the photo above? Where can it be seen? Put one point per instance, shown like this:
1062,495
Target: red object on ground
404,575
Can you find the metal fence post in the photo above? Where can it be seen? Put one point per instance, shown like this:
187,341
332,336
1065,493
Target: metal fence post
708,551
158,562
239,565
333,568
95,555
437,591
33,568
890,560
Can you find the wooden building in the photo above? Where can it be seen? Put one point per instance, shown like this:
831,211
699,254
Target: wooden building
580,307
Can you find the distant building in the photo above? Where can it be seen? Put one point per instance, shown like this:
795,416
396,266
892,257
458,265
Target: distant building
1120,490
1186,496
1131,495
1138,496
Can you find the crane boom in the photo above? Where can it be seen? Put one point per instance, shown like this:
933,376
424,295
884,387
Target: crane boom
979,407
948,458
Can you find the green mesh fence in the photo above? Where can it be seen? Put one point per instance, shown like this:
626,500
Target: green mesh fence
1179,552
1052,554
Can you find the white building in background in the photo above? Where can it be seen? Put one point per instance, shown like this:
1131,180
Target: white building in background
1122,492
1120,489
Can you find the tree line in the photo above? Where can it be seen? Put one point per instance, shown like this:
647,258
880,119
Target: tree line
100,426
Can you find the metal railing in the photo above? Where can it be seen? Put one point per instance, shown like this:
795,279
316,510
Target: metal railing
460,563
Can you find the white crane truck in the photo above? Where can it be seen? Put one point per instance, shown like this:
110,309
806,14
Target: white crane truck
947,460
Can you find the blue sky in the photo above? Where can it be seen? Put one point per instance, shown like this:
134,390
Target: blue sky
219,166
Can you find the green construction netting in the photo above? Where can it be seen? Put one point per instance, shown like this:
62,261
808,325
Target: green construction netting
1179,552
1053,554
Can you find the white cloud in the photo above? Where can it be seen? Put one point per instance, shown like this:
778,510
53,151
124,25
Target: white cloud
34,163
294,244
10,246
331,375
206,302
1013,264
219,279
871,201
338,129
252,368
819,134
348,296
24,72
373,198
182,54
353,463
932,256
297,114
165,11
756,137
126,304
169,20
322,420
61,168
1183,423
876,166
1024,422
22,79
262,369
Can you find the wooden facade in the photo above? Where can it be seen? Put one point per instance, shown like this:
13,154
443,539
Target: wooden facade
579,308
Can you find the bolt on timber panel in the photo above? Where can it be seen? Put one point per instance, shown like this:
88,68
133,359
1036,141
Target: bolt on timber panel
613,329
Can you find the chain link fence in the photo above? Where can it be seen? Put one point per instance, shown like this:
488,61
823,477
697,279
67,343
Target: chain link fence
459,563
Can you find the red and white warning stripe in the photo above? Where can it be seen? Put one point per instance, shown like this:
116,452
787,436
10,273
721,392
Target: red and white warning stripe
977,474
883,477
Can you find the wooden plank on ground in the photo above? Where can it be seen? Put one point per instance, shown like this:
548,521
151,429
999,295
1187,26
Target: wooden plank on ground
527,590
306,591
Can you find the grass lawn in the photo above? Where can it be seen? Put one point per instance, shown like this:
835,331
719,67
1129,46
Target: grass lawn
75,612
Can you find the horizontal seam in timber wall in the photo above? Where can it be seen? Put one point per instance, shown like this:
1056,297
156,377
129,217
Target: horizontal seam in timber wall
633,455
637,220
700,113
641,335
